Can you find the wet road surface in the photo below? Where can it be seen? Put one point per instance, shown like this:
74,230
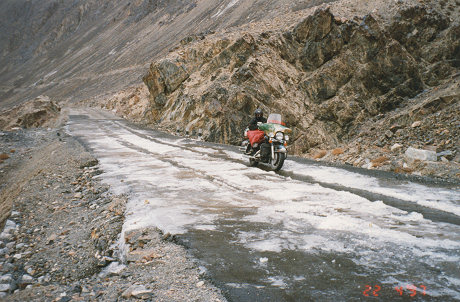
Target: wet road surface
308,233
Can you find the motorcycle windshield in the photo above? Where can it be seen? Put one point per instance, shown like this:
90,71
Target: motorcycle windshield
275,118
274,124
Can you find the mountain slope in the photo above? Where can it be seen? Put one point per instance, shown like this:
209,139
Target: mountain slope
80,49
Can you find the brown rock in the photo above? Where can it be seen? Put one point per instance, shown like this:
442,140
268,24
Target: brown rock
416,124
320,154
337,151
379,161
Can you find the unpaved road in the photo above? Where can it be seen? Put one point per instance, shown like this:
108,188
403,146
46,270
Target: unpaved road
308,233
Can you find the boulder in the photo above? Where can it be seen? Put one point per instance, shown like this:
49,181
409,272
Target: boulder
419,154
39,112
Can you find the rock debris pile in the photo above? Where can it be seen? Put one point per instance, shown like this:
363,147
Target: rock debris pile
39,112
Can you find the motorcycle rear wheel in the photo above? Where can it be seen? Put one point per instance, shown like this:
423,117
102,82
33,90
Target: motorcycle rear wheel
253,163
277,162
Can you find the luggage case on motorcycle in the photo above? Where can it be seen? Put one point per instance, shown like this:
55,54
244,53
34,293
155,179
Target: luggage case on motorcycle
255,136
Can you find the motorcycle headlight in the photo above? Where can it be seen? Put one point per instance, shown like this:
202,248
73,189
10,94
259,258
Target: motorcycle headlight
279,136
286,137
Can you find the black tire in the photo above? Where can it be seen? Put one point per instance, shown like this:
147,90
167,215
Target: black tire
253,163
278,161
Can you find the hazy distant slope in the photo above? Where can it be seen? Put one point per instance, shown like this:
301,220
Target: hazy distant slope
77,49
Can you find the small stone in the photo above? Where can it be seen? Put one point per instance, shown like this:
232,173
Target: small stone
135,291
357,161
446,154
388,134
396,147
10,226
30,271
416,124
6,236
5,287
444,160
77,289
200,284
379,143
51,239
17,256
27,279
112,269
7,278
78,195
8,267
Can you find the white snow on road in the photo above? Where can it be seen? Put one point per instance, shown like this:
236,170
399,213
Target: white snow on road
436,198
177,188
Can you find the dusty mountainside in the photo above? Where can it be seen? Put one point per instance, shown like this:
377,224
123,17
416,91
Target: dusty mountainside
71,50
358,83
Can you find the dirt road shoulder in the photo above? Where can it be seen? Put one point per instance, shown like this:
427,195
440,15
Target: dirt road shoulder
61,242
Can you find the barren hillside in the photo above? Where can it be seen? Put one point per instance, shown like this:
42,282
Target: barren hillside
78,49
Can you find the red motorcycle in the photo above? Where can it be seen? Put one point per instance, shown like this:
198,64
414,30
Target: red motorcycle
275,133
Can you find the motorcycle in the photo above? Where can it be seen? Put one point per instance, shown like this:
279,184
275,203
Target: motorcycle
274,133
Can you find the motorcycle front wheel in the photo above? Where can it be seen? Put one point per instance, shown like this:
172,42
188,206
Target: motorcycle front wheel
277,162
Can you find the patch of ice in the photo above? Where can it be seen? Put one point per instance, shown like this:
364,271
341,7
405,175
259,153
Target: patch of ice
277,281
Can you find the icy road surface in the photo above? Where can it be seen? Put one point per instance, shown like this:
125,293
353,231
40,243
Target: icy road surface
309,233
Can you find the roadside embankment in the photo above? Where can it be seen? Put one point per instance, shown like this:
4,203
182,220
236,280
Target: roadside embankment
61,241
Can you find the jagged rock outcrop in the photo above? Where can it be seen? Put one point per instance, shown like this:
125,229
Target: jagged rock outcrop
40,112
327,75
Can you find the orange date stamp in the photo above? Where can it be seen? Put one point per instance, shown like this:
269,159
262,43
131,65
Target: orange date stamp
409,290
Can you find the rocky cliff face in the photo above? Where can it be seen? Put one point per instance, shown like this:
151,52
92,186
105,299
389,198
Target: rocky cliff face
327,75
339,81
